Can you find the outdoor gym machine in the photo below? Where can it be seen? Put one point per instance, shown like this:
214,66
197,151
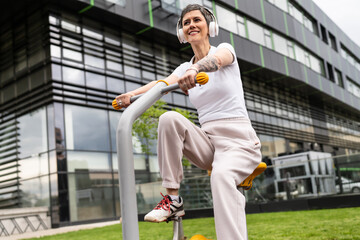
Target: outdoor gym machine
126,160
125,157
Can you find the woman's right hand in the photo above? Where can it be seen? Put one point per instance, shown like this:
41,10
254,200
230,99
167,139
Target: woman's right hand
123,100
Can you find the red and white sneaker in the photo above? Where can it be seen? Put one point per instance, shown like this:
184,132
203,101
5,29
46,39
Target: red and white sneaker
166,209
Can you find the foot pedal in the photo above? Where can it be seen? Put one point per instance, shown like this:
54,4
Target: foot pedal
247,183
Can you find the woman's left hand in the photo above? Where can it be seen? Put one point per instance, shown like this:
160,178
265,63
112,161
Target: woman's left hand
187,81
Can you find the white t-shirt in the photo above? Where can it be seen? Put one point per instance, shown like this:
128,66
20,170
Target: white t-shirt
223,95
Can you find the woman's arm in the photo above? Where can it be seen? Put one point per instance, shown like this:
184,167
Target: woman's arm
125,98
210,63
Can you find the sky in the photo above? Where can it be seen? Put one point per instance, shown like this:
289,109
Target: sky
345,13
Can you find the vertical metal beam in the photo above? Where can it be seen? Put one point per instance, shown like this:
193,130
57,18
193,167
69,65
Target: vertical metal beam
126,160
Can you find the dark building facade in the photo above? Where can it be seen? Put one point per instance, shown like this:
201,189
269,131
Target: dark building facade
63,62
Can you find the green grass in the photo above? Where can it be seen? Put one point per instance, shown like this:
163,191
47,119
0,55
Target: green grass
333,224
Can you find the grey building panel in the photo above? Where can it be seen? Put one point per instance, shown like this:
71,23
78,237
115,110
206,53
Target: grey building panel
334,59
325,83
249,51
224,36
269,60
276,61
230,2
295,70
347,97
251,8
310,40
290,22
323,51
355,101
313,79
299,33
274,17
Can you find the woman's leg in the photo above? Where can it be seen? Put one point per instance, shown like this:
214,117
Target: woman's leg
237,155
177,136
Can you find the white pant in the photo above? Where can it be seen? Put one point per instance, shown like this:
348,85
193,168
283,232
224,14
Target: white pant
229,147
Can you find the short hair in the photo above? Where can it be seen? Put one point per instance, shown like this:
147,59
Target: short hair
192,7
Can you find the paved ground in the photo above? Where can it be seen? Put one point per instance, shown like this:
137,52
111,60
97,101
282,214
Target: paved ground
58,230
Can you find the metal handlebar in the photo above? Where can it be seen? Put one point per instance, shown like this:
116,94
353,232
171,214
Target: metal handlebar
201,78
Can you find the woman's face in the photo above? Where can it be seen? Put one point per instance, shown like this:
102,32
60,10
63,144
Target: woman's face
195,27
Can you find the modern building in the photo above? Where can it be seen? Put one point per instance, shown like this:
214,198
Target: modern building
63,62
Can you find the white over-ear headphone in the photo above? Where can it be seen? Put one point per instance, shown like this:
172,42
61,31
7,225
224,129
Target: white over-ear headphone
213,27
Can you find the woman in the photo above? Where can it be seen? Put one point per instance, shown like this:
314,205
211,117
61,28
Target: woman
226,141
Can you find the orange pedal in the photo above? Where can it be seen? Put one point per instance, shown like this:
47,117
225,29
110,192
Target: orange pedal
247,183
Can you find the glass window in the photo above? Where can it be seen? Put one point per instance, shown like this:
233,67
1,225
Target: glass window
32,133
22,86
358,65
295,13
131,86
226,19
70,26
267,36
115,85
73,75
353,87
280,145
92,33
35,192
282,4
90,196
95,80
94,61
179,99
280,44
338,78
241,26
94,161
307,59
73,55
55,72
316,64
343,52
290,48
86,128
34,166
256,33
55,51
300,54
113,65
132,71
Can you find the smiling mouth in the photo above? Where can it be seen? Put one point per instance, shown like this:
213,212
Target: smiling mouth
193,33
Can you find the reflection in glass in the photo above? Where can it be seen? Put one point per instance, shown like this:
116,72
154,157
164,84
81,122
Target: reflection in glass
94,161
73,75
113,65
55,51
256,33
95,80
94,61
226,19
86,128
35,192
90,195
32,133
115,85
73,55
34,166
